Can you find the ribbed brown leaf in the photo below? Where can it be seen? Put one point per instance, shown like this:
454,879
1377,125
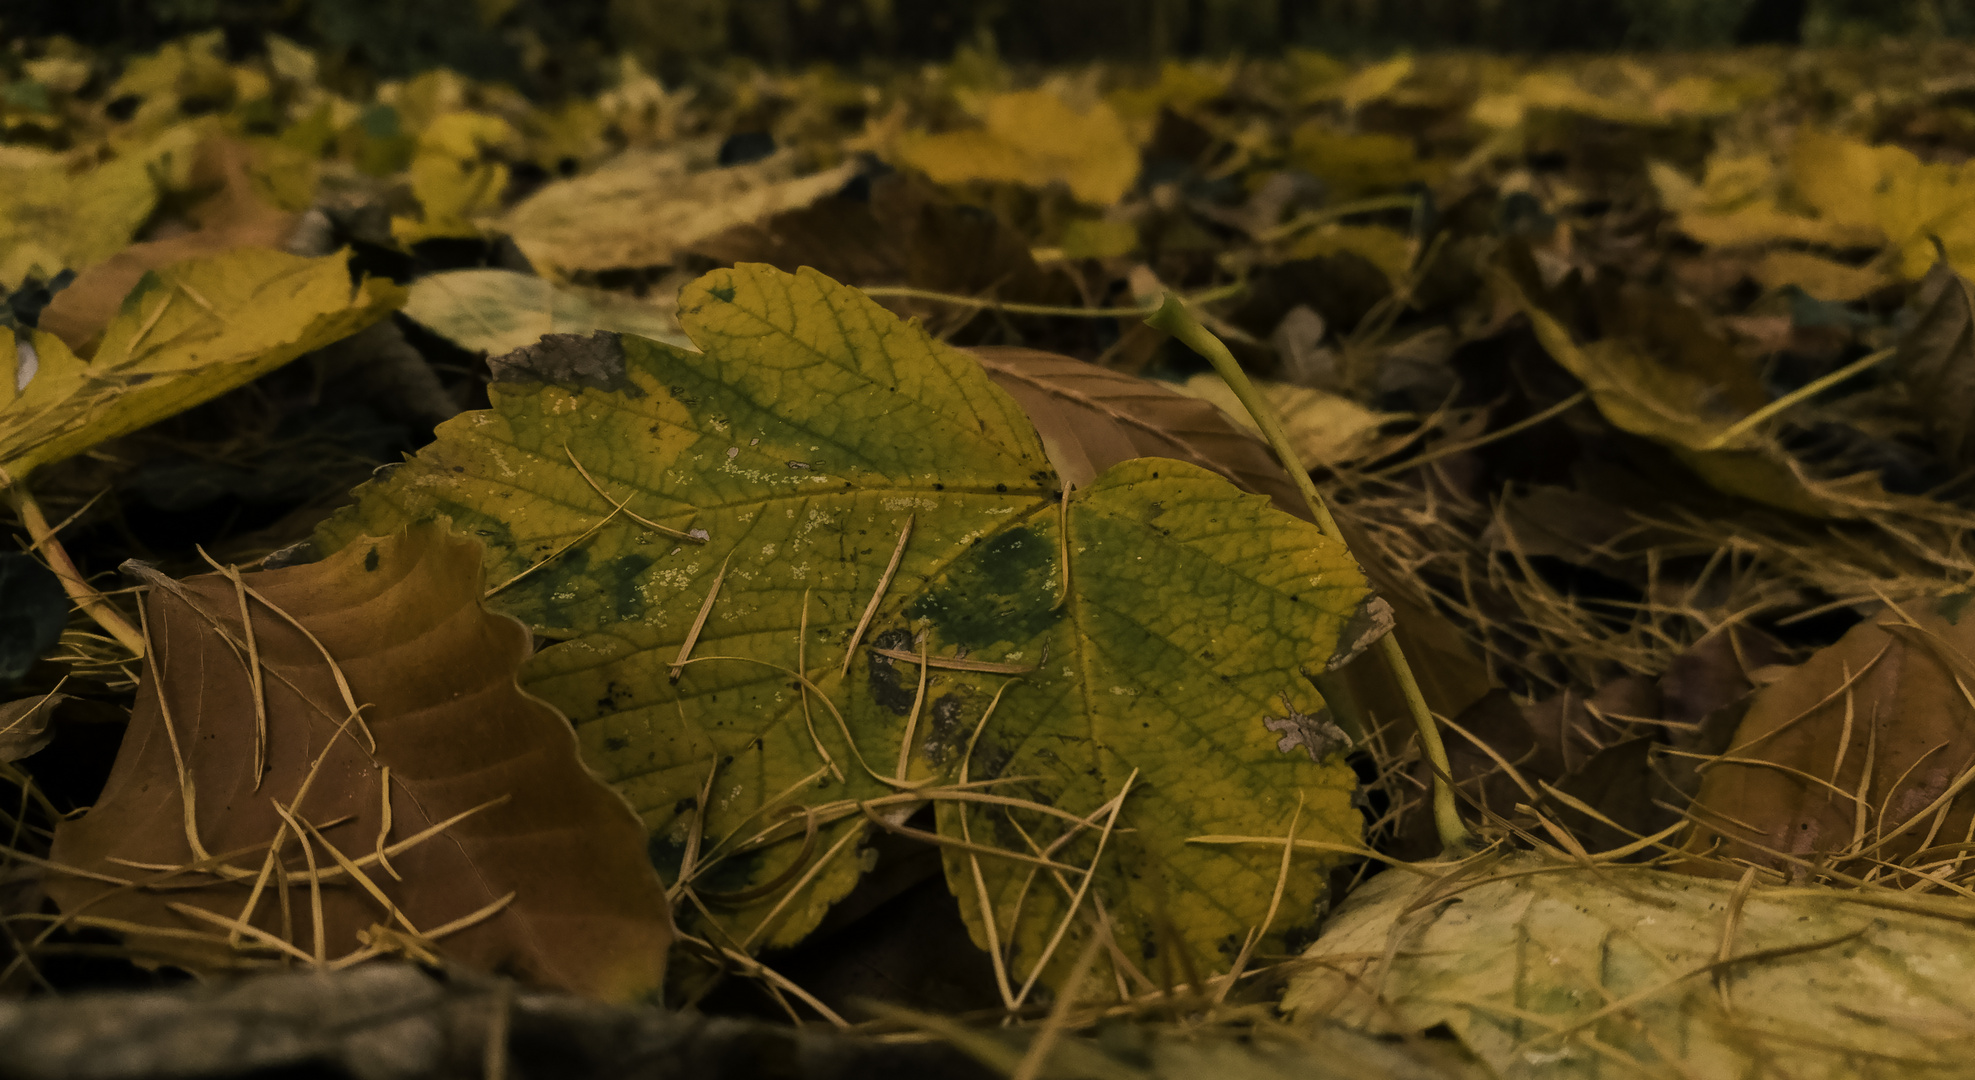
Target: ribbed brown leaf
1856,759
433,674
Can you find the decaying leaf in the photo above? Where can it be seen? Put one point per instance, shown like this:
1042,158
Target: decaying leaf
645,207
1543,967
904,233
1855,763
186,334
1937,359
369,703
24,725
1034,138
825,492
499,311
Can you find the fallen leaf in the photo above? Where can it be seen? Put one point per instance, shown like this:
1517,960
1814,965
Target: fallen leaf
186,334
1857,759
643,208
233,215
1936,358
774,476
499,311
453,178
1544,967
543,864
1358,164
24,725
906,234
1675,408
1091,418
54,217
1033,138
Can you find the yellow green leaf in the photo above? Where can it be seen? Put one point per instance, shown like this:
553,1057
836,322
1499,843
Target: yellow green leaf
776,471
498,311
1034,138
1543,967
53,217
185,335
452,178
644,207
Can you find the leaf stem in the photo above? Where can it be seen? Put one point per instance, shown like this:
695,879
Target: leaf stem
906,292
92,603
1173,318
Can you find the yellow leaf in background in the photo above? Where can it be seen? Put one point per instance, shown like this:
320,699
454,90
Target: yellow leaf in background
1374,82
498,311
1822,278
1676,409
186,334
1839,177
1087,238
451,177
1034,138
1735,180
1355,165
1556,92
53,218
1323,427
643,207
191,69
1181,87
1388,249
1736,205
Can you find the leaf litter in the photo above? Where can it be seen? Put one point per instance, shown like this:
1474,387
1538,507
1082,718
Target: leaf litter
1631,382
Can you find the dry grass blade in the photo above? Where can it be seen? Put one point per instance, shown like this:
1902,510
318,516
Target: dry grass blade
699,621
877,595
953,663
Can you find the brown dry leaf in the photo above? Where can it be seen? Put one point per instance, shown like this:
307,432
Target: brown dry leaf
24,725
1855,761
545,864
1091,418
904,234
233,216
1937,359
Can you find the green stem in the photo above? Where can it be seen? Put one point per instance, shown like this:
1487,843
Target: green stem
1173,318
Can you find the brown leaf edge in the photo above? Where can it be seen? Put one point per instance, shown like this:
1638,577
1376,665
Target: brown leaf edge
380,670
